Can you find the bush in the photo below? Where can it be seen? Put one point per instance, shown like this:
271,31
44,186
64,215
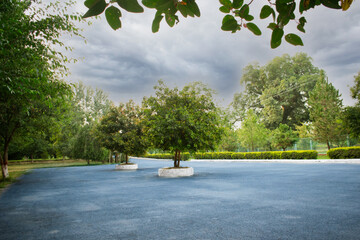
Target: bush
240,155
343,153
184,156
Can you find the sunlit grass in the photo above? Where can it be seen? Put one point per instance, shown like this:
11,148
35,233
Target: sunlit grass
18,169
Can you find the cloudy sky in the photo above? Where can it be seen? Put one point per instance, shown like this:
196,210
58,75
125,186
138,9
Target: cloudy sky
127,63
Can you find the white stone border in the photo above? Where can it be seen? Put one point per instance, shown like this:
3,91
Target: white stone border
176,172
132,166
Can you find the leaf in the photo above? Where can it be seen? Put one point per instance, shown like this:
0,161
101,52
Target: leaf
170,19
130,6
294,39
156,23
149,3
249,18
331,4
90,3
276,36
113,15
164,4
182,9
272,26
253,28
301,28
229,23
237,4
224,9
96,9
266,11
244,11
302,21
226,3
193,7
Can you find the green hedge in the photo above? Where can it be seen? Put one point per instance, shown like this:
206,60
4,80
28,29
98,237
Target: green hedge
343,153
241,155
184,156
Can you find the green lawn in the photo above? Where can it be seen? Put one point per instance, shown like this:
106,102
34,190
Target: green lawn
18,168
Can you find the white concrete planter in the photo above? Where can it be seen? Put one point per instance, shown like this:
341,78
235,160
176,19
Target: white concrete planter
131,166
176,172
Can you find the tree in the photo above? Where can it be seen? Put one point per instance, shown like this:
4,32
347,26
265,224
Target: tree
237,13
84,109
351,121
355,90
122,130
182,120
325,111
351,115
252,133
30,66
278,91
283,137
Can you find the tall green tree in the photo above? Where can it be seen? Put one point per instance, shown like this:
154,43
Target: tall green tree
351,115
30,66
283,137
325,111
237,12
277,91
182,120
355,90
122,130
77,137
253,134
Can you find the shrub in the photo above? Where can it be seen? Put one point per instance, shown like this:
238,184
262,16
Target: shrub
299,154
184,156
343,153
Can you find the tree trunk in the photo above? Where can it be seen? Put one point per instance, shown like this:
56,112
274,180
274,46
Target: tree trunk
116,157
328,144
126,158
175,157
179,158
4,162
284,149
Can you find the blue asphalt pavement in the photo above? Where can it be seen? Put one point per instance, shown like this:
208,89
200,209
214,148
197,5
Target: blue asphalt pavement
224,200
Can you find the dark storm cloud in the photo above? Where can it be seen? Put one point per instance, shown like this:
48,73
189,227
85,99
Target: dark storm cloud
127,63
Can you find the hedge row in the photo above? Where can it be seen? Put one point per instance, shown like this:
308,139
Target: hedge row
184,156
241,155
258,155
343,153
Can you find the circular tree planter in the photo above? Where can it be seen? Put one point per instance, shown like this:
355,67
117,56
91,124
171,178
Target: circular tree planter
176,172
129,166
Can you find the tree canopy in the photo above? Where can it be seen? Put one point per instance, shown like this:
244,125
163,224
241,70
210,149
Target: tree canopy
238,16
182,120
277,91
122,130
30,66
325,111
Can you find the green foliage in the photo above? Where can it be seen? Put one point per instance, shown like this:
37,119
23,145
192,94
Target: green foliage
283,137
184,156
325,111
243,155
355,90
237,14
344,153
252,133
31,67
182,120
276,91
351,121
122,130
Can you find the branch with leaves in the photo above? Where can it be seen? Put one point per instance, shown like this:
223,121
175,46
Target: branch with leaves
237,14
